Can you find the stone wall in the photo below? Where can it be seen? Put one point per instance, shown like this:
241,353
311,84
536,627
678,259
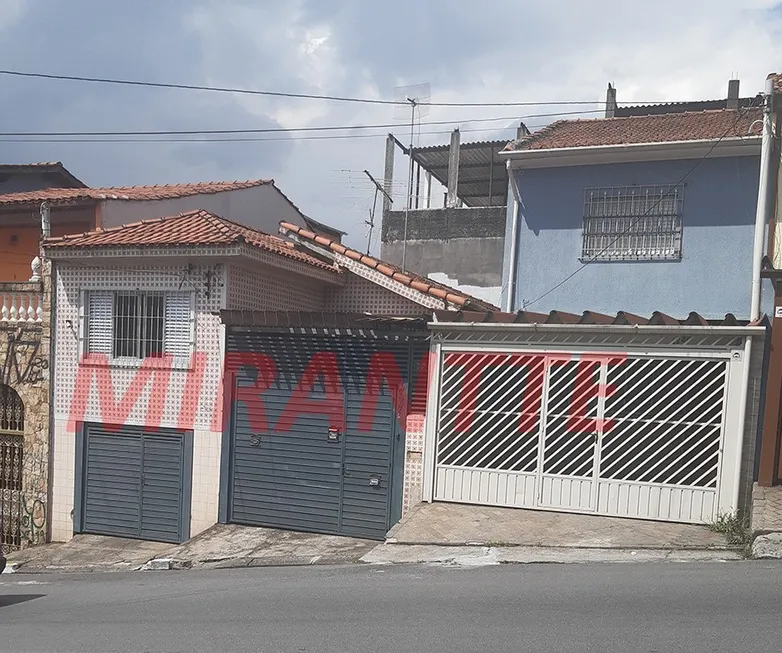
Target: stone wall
24,352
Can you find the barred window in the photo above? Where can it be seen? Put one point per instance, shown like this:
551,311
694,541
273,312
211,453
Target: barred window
138,325
633,223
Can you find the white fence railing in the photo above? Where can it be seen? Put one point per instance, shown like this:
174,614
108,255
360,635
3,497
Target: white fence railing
21,307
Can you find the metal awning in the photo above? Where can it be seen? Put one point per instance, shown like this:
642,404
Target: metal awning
483,177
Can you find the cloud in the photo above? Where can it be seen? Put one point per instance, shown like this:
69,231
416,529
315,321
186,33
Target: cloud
491,51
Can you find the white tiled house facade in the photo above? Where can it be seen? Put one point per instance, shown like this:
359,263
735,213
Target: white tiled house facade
237,286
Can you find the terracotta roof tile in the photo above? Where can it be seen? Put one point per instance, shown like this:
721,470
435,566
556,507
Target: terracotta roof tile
688,126
191,228
587,318
128,193
422,284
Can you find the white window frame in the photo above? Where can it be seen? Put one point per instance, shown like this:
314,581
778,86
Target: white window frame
632,223
182,355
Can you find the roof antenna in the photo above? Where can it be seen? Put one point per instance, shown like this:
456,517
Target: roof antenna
417,98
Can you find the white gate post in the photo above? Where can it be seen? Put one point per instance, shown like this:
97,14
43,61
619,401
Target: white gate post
430,425
733,436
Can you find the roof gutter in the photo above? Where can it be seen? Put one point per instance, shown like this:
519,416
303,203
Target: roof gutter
746,331
550,157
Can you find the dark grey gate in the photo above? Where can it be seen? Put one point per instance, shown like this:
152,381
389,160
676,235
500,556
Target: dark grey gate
134,483
344,480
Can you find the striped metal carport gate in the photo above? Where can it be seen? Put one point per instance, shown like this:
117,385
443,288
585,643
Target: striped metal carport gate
620,420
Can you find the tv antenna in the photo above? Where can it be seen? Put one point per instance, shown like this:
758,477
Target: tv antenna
378,189
417,98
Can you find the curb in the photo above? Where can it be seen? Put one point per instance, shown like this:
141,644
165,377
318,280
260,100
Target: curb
168,564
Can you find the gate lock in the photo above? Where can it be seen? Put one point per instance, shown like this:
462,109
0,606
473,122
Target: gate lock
374,480
333,435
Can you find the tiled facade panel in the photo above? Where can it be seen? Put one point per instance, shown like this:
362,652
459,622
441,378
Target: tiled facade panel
181,397
263,288
364,296
414,468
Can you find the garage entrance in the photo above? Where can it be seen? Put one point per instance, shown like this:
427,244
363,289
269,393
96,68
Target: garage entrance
134,482
639,420
315,441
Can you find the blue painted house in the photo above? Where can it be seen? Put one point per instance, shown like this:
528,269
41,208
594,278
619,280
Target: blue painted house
647,209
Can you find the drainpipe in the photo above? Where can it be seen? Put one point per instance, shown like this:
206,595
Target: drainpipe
510,301
761,220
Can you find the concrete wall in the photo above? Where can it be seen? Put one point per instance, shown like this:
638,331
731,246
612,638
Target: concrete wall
461,247
712,278
260,207
470,261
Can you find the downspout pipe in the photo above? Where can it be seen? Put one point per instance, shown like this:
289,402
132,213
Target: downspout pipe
510,301
761,220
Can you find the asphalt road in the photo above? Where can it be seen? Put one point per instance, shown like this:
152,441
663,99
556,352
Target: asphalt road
600,607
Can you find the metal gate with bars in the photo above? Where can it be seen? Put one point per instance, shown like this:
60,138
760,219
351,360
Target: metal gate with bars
12,504
639,435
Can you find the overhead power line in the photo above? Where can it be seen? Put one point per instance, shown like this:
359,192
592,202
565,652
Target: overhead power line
286,130
281,94
247,139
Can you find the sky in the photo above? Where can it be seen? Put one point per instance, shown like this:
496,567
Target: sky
466,51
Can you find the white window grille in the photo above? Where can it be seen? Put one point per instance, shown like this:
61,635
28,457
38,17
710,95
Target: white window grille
133,325
635,223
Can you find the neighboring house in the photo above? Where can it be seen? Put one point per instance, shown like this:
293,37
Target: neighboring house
650,208
459,239
256,203
158,424
25,318
20,177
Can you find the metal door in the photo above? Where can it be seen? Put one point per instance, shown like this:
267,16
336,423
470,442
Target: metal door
133,484
293,463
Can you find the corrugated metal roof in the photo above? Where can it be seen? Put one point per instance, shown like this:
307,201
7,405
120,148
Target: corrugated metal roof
321,320
476,162
622,318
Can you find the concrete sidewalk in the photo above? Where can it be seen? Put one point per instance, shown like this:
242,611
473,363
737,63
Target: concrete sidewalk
443,533
438,533
221,546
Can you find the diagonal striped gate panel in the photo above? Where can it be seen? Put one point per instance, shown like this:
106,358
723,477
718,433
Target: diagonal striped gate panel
635,436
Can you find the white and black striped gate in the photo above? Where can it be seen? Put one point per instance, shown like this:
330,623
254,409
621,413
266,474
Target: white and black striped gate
636,435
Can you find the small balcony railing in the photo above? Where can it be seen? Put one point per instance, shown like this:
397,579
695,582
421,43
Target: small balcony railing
21,302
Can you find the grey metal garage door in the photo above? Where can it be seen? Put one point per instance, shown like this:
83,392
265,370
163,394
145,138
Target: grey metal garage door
134,483
307,476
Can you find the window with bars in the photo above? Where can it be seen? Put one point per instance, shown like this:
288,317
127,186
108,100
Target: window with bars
134,325
632,223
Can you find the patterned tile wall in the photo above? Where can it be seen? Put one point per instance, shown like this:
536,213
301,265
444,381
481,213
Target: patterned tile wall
265,289
362,295
184,391
206,481
414,468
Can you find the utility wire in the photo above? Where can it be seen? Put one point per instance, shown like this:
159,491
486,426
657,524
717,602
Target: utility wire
306,96
692,169
249,139
286,130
